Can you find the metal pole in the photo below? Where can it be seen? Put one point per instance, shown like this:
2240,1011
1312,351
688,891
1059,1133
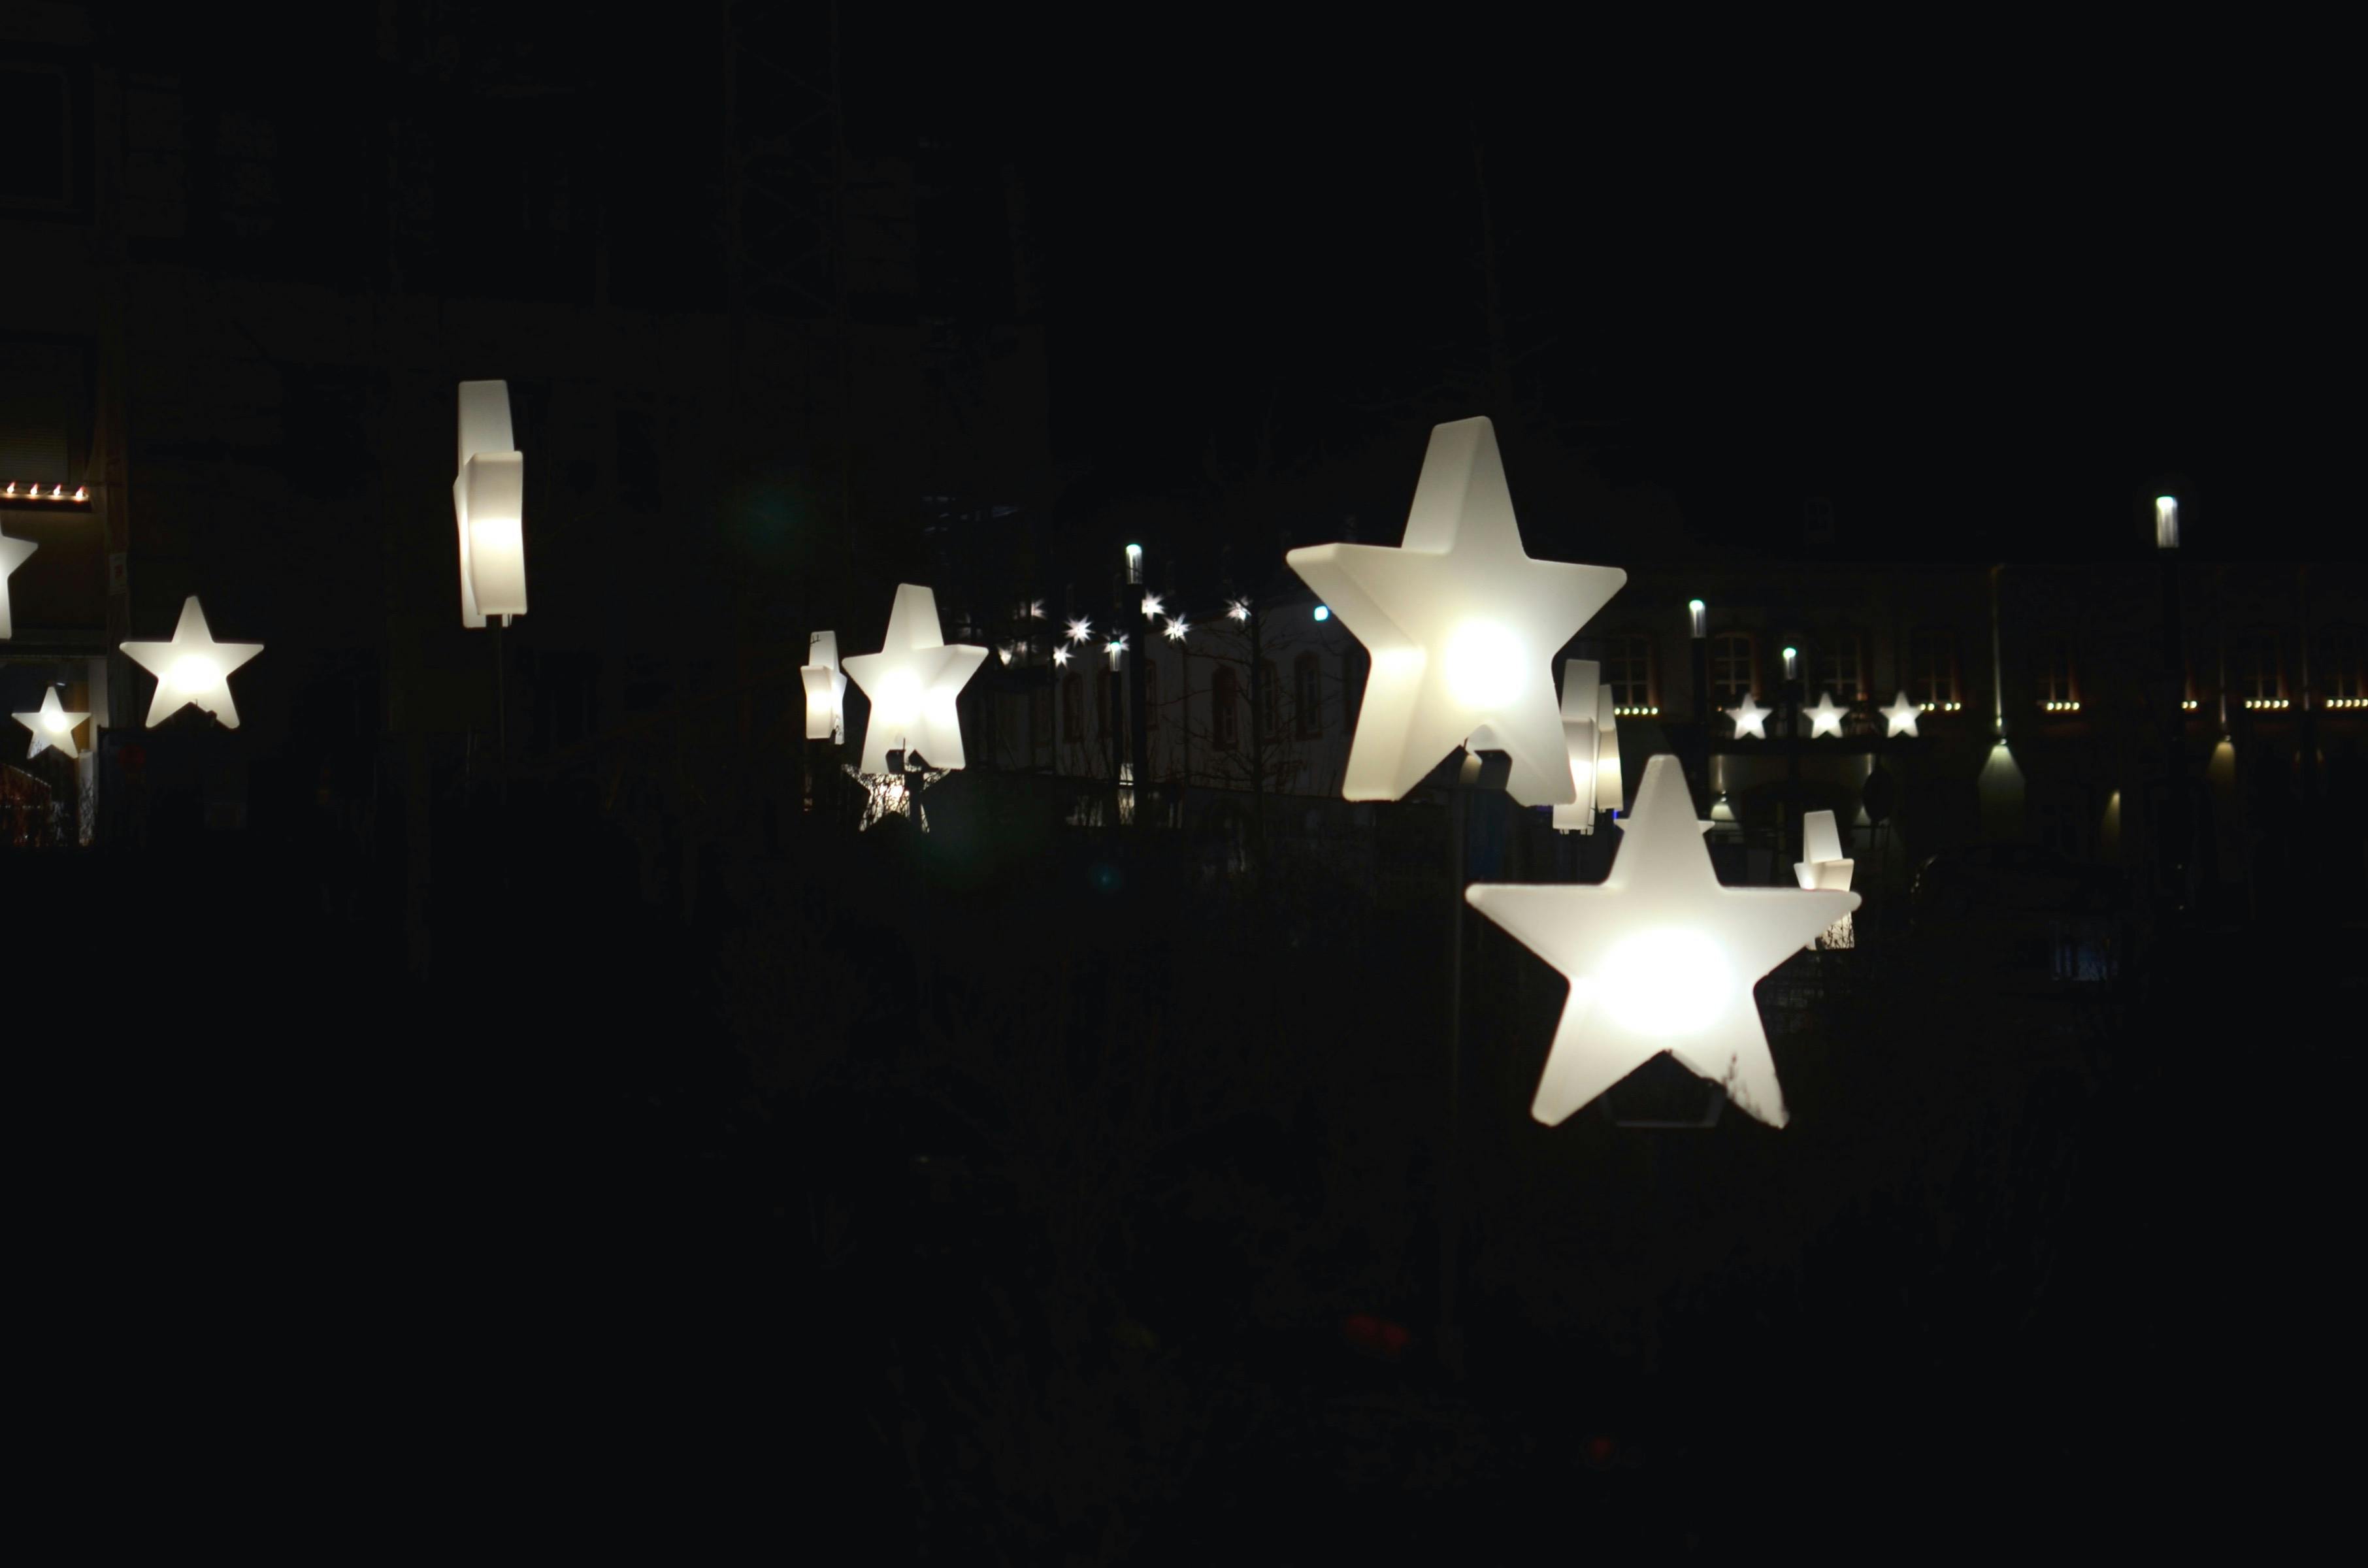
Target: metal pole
501,713
1451,1332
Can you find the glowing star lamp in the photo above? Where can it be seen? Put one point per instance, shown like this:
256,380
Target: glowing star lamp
13,552
1821,844
1750,719
1610,786
826,689
489,506
1660,957
911,683
1462,627
1901,716
1080,629
1825,719
52,726
1581,683
192,670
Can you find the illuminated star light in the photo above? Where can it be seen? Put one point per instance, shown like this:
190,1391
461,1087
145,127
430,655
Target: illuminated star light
13,552
1901,716
826,689
1826,719
1035,609
192,670
1750,719
1060,656
1464,625
1238,609
1080,629
52,726
1177,628
1659,957
911,683
1152,607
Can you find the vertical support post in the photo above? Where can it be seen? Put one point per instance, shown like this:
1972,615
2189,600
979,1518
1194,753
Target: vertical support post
1451,1219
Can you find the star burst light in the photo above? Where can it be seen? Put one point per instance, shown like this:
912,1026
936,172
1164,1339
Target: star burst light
192,670
1060,656
1152,607
1463,625
1659,957
1238,609
1080,629
52,726
1177,628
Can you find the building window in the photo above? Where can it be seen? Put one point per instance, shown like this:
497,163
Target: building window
1308,695
1932,670
1224,723
1733,670
1628,671
2056,686
1840,668
2337,670
2255,677
1272,679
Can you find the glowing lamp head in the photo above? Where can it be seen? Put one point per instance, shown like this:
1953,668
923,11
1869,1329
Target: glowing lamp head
1323,612
899,702
1483,664
1697,617
55,723
2165,522
1792,663
1667,983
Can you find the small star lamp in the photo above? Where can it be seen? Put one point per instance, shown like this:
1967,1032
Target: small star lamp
1659,957
1900,716
13,552
1462,625
911,683
192,670
51,725
489,506
826,689
1750,719
1826,718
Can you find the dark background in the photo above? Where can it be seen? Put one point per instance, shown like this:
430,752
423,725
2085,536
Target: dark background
1018,1194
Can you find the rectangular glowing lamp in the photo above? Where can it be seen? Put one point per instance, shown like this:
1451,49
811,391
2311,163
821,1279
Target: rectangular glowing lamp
493,486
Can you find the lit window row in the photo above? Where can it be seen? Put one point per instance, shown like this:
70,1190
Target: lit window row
16,492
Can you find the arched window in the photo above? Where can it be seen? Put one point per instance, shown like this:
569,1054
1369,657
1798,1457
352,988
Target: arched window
1225,721
1932,669
1734,668
1628,671
1308,695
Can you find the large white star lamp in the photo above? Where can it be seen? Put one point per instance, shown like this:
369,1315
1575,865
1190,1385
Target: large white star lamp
1900,716
911,683
1826,718
1750,719
13,552
1462,627
489,507
52,726
826,689
1660,957
192,670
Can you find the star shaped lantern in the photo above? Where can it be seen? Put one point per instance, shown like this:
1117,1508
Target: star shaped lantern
1080,629
1825,719
1901,716
13,552
192,670
1660,957
1462,627
911,683
826,689
489,506
1750,719
52,726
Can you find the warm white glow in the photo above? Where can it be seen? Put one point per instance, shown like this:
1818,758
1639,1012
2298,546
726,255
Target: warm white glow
1668,983
52,726
1611,784
192,670
1060,656
1134,564
1901,716
1152,607
1698,618
488,504
2165,522
1750,719
1177,628
1238,609
13,552
1482,618
1826,719
1484,664
1035,609
1080,629
1659,957
826,689
912,682
1582,688
1004,651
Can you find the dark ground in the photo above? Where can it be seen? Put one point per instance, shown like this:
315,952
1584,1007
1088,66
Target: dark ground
621,1215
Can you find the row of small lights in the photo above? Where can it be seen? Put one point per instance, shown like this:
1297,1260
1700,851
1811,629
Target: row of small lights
1646,712
1941,707
2265,702
35,492
2061,707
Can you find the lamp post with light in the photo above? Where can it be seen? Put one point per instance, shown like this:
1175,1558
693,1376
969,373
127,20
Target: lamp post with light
2175,846
1698,628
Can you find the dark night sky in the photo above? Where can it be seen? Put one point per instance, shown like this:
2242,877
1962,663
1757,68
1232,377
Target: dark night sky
1973,289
